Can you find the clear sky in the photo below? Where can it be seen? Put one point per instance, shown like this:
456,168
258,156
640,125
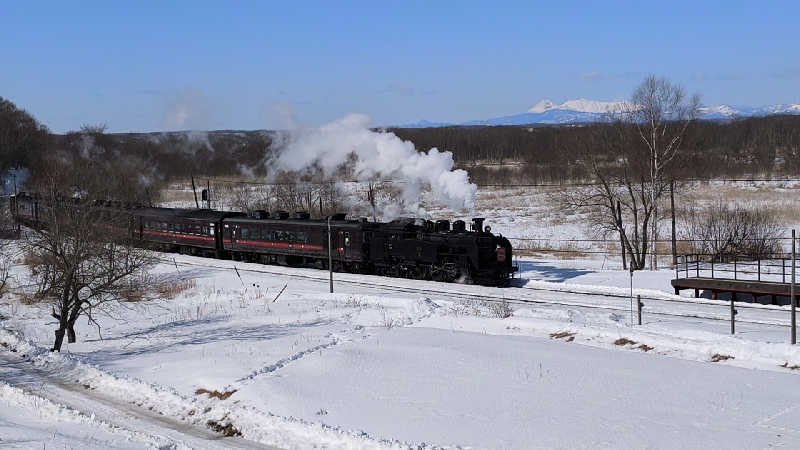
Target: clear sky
149,66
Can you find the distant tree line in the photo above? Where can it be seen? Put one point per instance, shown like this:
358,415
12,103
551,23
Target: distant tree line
758,146
137,165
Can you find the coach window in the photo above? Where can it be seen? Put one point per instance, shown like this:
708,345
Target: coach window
245,233
163,226
368,236
290,236
170,227
266,235
302,237
280,236
347,239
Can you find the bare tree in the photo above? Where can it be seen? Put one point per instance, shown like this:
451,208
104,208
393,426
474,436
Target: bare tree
85,257
724,231
630,159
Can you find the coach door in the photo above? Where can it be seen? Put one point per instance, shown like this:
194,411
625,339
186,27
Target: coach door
344,245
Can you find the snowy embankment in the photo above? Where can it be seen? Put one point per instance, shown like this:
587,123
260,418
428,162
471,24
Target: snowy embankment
27,420
442,368
201,410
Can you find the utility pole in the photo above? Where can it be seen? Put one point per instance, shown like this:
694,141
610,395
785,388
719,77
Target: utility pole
654,264
672,205
208,193
791,293
194,189
621,236
16,203
330,255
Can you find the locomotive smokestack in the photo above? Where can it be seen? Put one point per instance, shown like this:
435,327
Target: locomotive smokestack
477,224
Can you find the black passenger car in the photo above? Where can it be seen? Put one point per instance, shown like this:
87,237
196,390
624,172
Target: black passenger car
277,238
190,231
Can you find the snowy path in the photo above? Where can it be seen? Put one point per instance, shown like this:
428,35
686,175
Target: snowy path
151,428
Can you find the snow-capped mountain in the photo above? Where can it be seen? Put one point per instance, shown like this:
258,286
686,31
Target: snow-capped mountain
579,105
582,111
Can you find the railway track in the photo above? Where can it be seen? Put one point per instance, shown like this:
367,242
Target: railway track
654,305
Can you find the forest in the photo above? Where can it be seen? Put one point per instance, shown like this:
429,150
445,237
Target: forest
138,164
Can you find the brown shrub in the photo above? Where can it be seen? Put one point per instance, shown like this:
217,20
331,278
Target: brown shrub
624,341
718,357
215,394
171,289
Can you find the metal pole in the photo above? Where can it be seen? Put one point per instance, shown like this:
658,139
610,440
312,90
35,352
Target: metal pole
734,267
621,237
733,314
672,205
759,269
791,294
330,255
631,292
697,257
677,273
639,306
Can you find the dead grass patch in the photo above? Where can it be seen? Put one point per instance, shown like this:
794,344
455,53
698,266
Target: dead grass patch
562,251
215,394
227,430
719,357
787,366
624,341
569,337
644,348
171,289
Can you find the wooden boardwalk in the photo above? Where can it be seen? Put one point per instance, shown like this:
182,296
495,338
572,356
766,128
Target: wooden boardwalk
745,288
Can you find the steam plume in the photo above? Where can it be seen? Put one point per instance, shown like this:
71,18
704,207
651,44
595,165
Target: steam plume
378,154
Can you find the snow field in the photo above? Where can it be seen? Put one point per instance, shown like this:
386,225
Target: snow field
372,367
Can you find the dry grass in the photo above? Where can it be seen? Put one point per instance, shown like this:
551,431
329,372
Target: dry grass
501,310
719,357
561,251
624,341
644,348
227,430
215,394
566,335
171,289
787,366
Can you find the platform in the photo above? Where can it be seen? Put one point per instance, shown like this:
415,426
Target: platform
737,287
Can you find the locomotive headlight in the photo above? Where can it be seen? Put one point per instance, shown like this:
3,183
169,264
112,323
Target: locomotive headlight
488,229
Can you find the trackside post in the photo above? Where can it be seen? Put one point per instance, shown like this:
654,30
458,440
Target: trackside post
792,296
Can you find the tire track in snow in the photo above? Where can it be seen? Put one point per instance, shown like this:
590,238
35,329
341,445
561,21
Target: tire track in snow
286,361
266,370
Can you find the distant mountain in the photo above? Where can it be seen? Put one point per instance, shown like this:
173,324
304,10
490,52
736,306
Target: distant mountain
583,111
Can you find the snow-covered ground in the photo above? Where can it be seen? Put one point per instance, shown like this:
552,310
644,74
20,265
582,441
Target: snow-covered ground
402,363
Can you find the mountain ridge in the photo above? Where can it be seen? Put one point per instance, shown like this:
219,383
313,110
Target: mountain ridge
581,110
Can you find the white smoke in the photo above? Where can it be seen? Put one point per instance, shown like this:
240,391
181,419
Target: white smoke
187,109
378,154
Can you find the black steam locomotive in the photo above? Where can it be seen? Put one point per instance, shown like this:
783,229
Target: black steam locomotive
407,248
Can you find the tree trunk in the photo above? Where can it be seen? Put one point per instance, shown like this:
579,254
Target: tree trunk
59,340
71,333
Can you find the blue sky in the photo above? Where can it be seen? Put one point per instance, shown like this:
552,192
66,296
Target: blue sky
149,66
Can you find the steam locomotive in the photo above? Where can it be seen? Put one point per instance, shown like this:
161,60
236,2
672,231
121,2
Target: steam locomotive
407,248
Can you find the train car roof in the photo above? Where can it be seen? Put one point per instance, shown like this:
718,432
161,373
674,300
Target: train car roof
201,214
298,222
